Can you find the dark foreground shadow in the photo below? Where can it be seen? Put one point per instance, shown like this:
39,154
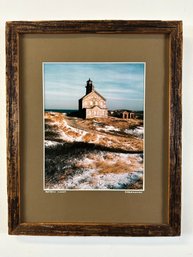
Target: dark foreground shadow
77,147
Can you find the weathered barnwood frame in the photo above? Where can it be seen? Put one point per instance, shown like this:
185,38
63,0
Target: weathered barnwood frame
13,32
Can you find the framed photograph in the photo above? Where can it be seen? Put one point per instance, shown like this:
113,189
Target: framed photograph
94,127
93,139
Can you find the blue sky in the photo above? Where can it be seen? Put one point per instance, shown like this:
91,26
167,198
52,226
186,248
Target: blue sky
122,84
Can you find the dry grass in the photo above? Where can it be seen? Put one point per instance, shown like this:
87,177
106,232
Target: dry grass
110,163
89,137
118,167
73,134
114,139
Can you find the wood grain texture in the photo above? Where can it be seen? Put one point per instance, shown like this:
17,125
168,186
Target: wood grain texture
13,32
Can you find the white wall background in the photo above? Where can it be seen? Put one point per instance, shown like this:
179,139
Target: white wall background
20,246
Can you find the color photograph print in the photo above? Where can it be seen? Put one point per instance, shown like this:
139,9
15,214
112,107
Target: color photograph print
93,126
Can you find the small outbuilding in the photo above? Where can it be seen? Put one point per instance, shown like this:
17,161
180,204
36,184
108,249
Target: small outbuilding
128,115
125,115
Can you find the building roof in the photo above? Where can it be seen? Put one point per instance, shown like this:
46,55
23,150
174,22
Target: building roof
91,93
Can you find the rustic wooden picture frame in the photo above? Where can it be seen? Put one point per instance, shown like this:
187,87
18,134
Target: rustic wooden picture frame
13,32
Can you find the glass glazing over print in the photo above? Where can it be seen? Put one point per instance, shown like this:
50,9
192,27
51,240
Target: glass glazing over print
94,126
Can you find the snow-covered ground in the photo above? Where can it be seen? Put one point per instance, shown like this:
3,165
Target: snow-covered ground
69,133
95,132
90,180
72,164
108,128
100,170
138,131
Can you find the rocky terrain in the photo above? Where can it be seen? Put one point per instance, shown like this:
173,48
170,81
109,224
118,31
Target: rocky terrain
100,153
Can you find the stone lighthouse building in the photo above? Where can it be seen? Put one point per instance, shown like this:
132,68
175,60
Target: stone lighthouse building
92,104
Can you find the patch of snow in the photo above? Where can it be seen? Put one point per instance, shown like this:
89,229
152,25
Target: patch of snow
49,143
108,128
138,131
